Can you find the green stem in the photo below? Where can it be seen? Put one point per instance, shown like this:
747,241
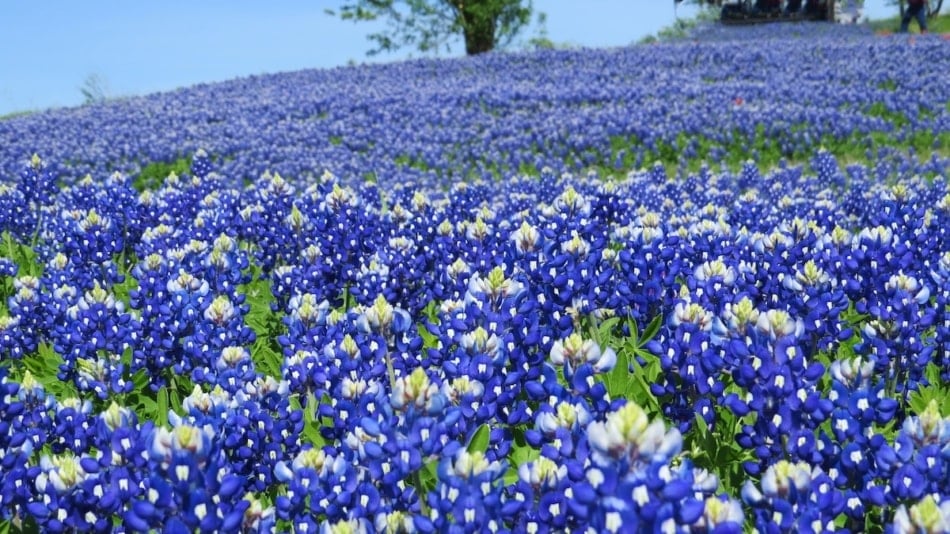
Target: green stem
9,239
417,482
390,371
389,364
36,231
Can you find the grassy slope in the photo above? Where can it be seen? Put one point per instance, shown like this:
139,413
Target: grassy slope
15,114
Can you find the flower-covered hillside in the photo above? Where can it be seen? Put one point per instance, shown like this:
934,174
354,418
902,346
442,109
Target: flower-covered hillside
783,92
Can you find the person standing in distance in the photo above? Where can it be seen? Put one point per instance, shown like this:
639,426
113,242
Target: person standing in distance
918,9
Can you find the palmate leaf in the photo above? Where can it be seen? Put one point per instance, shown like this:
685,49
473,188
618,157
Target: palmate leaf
23,255
629,379
937,391
266,359
266,324
27,265
427,477
44,366
311,419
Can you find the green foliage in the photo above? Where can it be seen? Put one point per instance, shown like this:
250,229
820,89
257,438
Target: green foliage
429,340
629,379
431,25
425,480
682,27
44,365
521,453
123,290
266,324
937,391
153,175
155,406
767,149
15,114
22,255
311,420
479,439
411,162
12,250
715,449
19,525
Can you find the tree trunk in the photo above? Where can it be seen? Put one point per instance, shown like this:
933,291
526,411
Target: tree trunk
478,26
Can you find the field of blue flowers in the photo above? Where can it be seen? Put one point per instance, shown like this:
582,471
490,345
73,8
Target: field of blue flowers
698,286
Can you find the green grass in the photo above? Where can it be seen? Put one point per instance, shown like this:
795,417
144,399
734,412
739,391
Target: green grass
16,114
153,175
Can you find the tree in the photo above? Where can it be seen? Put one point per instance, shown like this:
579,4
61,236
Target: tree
94,89
429,25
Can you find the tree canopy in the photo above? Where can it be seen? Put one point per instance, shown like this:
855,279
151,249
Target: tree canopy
430,25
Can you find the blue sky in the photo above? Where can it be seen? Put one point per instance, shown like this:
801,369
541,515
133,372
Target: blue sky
48,49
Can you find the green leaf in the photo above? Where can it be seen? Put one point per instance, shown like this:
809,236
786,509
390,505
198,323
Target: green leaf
148,408
634,329
266,358
605,330
479,441
429,340
428,476
431,312
311,423
651,331
174,401
161,407
140,380
937,391
617,380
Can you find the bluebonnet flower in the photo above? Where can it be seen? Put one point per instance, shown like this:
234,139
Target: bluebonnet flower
74,425
791,497
224,266
469,493
899,318
417,393
720,514
327,481
25,316
691,363
64,501
96,333
628,435
26,200
818,300
917,464
190,486
35,419
574,352
493,290
926,516
16,447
